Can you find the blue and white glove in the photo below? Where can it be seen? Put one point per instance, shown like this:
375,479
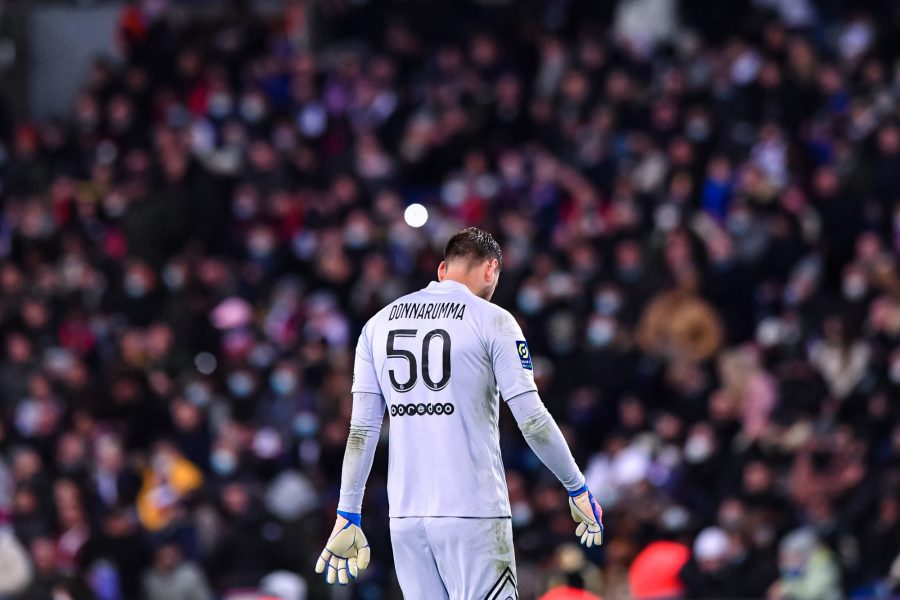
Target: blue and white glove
589,516
347,551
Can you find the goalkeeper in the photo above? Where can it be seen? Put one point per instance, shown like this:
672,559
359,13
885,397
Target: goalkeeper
438,360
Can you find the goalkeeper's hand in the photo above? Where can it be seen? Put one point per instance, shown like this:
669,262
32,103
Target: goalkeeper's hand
347,551
589,516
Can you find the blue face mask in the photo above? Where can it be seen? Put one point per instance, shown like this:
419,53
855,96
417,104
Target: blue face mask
135,286
607,303
283,382
530,301
197,393
306,424
173,277
601,333
220,105
262,356
792,573
240,384
223,462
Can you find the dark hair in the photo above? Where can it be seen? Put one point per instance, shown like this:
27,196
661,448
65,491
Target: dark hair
474,244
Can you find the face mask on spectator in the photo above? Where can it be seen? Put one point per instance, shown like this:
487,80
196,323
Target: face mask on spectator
894,372
135,286
697,129
629,273
253,108
220,105
530,300
198,393
356,234
698,448
739,222
283,381
284,139
173,276
561,333
223,462
244,207
260,244
312,121
854,286
666,217
241,384
675,518
607,303
114,204
601,332
306,424
262,356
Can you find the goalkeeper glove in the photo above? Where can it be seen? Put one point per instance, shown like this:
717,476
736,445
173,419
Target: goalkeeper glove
347,551
589,516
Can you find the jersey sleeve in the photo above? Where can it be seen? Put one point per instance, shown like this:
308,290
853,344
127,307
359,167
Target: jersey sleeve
365,379
510,357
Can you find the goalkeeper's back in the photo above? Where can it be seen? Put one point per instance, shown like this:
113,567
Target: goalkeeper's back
440,357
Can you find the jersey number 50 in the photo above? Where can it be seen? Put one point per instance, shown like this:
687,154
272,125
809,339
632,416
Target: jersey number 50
393,352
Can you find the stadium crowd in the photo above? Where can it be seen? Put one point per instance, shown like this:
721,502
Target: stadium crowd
699,206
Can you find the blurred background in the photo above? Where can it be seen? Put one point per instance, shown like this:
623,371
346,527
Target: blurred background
202,202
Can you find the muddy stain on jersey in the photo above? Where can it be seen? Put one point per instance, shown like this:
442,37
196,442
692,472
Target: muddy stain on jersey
356,440
537,430
501,546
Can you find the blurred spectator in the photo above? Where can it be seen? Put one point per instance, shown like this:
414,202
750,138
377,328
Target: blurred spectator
15,569
699,206
807,569
168,480
173,578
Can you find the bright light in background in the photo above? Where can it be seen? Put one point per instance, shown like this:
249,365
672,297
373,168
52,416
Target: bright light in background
415,215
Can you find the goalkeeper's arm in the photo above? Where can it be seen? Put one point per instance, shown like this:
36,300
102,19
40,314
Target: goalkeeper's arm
547,442
347,550
545,439
365,427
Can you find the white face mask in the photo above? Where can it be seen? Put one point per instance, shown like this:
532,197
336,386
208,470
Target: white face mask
601,332
698,448
894,372
530,300
854,287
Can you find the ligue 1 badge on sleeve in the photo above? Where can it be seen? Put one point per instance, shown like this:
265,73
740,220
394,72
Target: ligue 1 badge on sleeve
524,354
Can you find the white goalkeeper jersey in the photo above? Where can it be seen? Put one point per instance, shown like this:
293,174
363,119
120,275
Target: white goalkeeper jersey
441,357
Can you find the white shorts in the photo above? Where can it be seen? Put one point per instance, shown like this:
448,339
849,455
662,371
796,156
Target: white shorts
454,558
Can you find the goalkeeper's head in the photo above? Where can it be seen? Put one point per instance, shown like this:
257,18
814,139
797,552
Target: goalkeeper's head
472,257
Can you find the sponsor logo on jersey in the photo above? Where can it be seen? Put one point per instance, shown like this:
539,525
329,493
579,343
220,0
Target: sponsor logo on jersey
414,410
524,354
427,310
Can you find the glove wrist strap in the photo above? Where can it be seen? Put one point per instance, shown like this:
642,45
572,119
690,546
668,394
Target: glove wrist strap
579,491
355,518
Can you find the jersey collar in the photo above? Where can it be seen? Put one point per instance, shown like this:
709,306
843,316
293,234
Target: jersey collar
448,285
